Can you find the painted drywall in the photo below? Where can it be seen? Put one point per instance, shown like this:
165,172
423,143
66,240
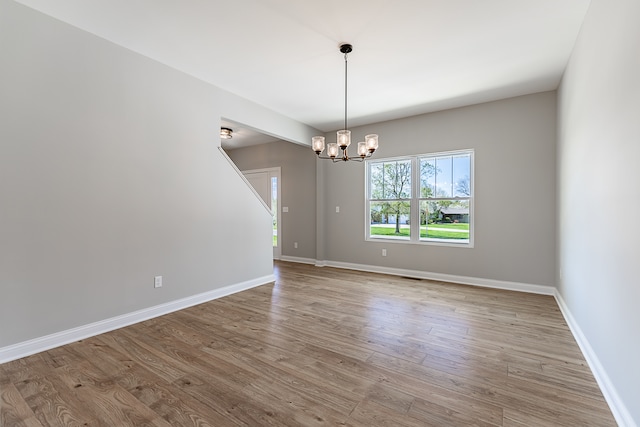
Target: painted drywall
110,174
599,191
298,191
515,176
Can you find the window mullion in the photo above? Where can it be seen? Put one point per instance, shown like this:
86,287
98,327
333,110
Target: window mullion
415,205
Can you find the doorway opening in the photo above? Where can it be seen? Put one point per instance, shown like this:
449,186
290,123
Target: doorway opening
266,182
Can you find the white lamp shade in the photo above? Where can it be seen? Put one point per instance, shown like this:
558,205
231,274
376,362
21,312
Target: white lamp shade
344,138
362,149
317,144
372,142
332,150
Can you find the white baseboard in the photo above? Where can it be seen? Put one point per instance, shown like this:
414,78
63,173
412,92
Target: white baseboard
297,259
36,345
618,408
465,280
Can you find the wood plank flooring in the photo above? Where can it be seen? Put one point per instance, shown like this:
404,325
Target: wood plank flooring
320,347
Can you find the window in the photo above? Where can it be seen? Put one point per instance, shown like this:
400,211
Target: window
421,199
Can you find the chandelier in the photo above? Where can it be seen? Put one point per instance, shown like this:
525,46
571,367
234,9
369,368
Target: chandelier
365,148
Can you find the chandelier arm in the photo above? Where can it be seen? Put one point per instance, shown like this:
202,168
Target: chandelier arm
356,159
343,159
335,159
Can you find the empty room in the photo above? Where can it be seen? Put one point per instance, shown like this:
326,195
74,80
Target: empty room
319,213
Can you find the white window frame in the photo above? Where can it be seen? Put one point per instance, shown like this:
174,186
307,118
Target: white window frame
415,201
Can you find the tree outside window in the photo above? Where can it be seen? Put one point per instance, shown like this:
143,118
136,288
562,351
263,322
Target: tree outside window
391,193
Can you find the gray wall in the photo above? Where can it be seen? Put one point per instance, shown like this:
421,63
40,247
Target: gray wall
298,190
515,177
110,174
599,190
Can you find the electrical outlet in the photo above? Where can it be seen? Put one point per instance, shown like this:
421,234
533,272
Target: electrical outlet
157,282
384,252
337,209
295,245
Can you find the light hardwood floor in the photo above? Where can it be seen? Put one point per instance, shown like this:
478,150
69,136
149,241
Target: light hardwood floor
321,347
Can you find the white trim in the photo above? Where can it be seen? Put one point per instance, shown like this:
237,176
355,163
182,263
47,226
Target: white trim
273,169
431,242
617,406
465,280
298,259
37,345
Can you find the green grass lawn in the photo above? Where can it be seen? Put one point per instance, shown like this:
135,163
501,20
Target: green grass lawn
442,233
453,226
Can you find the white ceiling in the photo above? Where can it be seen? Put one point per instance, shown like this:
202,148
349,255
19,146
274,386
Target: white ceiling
410,56
244,136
